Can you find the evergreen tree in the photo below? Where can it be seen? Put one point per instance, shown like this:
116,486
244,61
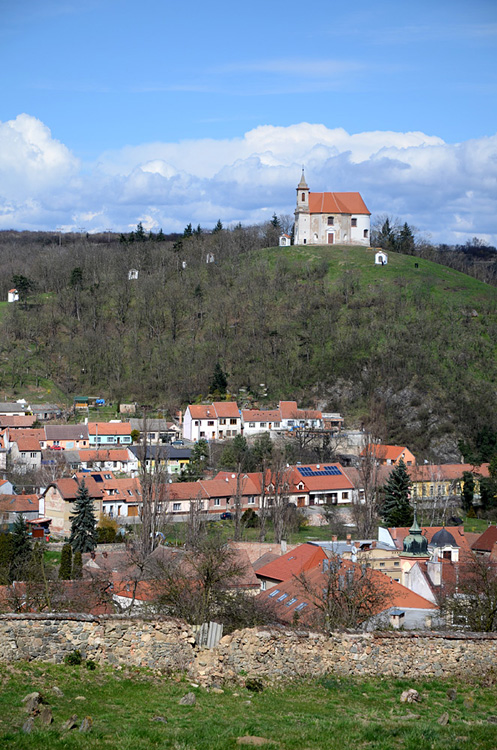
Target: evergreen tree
65,570
406,240
140,233
188,230
83,522
22,550
396,509
468,491
218,227
77,565
5,558
198,461
219,382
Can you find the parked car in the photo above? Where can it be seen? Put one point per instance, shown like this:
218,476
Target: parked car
178,443
226,516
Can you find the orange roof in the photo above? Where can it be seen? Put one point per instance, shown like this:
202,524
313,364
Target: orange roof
68,488
261,415
16,421
316,483
395,595
304,557
387,452
105,454
226,409
290,410
337,203
26,444
218,409
435,472
19,503
186,491
109,428
38,433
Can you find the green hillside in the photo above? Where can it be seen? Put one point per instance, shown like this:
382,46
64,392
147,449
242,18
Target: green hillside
410,350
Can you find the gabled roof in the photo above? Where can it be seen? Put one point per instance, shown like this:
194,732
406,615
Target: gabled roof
304,557
32,433
27,444
316,479
289,597
486,541
66,432
216,410
398,535
290,410
448,472
385,452
68,488
109,428
261,415
104,454
19,503
337,203
15,421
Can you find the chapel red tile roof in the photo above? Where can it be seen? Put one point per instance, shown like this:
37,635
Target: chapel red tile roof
486,541
337,203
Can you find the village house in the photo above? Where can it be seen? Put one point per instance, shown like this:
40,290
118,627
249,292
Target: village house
109,433
11,409
121,460
168,458
12,506
215,421
121,497
66,436
330,218
389,455
443,480
155,431
57,502
25,454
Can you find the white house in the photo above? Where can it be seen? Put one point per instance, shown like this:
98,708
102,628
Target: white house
132,274
330,218
380,258
215,421
13,295
285,240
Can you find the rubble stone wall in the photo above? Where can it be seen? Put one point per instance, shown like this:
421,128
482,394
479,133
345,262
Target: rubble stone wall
272,653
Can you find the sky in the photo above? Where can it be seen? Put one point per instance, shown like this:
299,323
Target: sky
114,112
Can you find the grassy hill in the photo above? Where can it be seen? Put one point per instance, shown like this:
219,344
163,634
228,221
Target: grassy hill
409,347
140,709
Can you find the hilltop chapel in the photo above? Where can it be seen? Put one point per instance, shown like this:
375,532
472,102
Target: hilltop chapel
330,218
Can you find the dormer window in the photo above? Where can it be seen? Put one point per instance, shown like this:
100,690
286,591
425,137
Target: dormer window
331,221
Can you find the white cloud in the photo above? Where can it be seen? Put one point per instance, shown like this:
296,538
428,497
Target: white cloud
448,190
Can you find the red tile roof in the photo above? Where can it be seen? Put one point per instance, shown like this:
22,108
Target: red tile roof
261,415
304,557
290,410
486,541
109,428
398,535
330,482
385,452
105,454
218,409
68,488
337,203
437,472
19,503
28,445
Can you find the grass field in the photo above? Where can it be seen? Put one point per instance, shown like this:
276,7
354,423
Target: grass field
329,713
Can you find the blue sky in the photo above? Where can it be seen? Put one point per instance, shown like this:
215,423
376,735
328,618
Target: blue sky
114,112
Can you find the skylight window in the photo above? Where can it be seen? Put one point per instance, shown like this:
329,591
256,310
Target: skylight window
290,602
273,593
280,598
300,606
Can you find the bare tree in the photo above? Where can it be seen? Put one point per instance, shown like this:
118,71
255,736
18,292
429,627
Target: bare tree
470,600
365,506
278,490
343,594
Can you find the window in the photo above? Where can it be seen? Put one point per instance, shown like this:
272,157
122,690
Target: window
276,425
331,221
33,455
217,502
210,423
382,565
263,585
176,506
345,495
107,476
263,424
396,564
152,436
366,233
301,606
251,500
282,597
303,197
291,601
273,593
130,492
202,434
197,423
251,424
119,510
232,421
353,222
222,421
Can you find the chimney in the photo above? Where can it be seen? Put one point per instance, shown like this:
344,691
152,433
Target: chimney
349,538
180,417
283,547
334,538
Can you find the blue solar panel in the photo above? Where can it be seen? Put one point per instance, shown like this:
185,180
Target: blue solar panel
326,471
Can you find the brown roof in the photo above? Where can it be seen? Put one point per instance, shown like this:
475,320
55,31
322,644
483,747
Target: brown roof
290,410
37,433
337,203
104,454
386,452
321,483
68,488
221,409
486,541
16,422
398,535
261,415
28,444
66,432
19,503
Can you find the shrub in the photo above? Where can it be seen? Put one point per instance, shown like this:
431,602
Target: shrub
91,665
254,685
73,659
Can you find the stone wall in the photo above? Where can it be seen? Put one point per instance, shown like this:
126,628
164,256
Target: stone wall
168,644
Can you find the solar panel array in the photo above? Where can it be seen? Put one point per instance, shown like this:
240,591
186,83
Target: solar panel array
326,471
